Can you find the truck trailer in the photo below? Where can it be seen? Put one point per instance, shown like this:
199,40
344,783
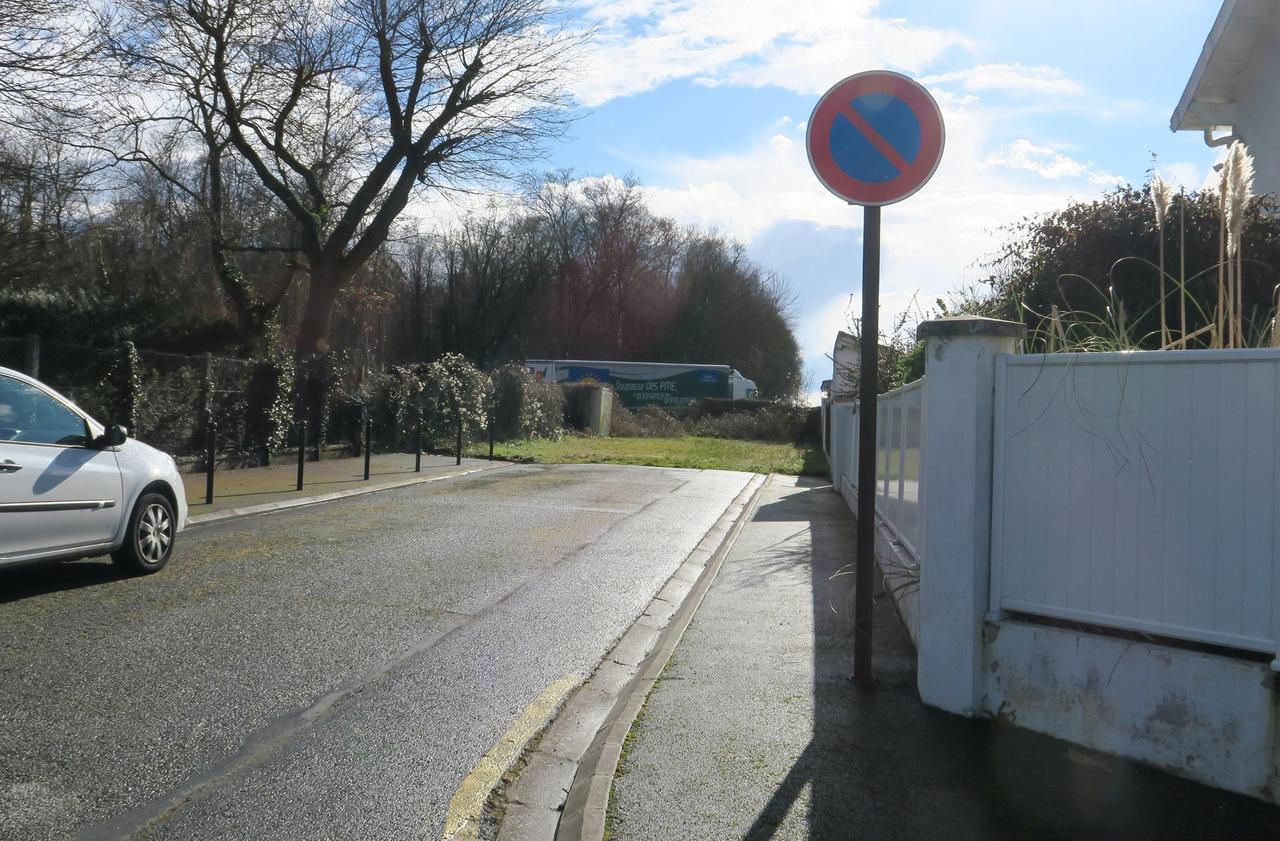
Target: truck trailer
667,385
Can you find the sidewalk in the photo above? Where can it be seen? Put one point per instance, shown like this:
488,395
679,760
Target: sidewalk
235,490
754,731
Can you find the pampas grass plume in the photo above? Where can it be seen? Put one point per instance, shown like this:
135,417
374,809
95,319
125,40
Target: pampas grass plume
1238,178
1161,198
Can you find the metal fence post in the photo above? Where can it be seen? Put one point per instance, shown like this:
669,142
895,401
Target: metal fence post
31,356
368,439
210,429
209,455
459,451
417,439
302,449
491,433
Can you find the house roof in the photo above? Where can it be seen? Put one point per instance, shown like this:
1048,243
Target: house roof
1210,97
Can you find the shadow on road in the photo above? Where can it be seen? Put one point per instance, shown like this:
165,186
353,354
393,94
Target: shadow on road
37,579
882,765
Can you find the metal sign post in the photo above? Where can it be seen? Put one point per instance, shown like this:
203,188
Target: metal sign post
874,139
868,388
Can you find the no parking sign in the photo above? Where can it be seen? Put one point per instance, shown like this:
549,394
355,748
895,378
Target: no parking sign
873,139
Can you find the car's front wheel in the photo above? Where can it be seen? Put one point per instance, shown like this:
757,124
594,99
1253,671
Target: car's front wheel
149,540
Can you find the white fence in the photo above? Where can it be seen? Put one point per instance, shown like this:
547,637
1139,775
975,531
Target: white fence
1140,491
1136,492
899,455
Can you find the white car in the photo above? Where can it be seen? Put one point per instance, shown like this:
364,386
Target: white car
71,488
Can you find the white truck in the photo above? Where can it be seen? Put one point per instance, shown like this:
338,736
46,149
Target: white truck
667,385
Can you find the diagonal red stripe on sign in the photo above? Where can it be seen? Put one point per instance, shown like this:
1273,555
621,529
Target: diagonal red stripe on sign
883,146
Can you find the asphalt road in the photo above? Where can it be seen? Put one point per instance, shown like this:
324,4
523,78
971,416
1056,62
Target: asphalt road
332,672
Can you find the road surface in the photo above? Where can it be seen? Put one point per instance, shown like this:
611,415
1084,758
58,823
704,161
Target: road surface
330,672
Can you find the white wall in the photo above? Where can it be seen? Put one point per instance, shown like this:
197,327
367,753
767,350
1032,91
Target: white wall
1258,104
1204,716
845,358
1139,491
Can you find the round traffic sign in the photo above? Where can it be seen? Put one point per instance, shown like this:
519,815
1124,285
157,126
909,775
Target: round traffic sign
875,138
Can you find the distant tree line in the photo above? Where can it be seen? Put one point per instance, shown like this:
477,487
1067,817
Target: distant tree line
577,269
231,177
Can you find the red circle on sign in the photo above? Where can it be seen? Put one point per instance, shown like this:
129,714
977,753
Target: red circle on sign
913,175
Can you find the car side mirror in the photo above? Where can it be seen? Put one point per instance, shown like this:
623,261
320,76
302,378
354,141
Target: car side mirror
113,437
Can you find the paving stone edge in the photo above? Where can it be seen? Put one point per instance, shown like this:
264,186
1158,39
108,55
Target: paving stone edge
563,790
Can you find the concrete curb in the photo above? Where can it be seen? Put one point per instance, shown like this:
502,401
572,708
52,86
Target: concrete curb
563,791
286,504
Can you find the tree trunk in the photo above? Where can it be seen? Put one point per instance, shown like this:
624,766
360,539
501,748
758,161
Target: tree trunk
313,332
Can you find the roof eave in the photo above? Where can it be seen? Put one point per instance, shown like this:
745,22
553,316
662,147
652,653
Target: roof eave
1183,119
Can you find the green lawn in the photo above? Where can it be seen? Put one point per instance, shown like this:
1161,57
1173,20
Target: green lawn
691,451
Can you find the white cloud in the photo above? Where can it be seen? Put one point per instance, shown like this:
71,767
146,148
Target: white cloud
1190,175
444,210
1021,79
742,193
1049,163
932,243
640,45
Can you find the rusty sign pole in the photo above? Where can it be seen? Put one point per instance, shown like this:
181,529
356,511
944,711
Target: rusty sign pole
868,387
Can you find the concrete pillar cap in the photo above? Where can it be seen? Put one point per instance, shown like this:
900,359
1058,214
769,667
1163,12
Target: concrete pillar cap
970,325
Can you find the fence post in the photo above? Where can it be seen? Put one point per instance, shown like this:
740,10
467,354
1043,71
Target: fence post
491,433
459,450
210,455
302,449
131,395
31,355
955,501
210,428
368,437
417,438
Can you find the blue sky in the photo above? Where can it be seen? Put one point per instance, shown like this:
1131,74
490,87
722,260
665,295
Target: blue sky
705,101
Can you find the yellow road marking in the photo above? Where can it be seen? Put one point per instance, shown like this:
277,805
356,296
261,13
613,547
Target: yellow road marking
462,822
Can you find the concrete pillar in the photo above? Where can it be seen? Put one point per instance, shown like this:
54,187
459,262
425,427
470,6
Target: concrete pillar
841,441
601,411
956,504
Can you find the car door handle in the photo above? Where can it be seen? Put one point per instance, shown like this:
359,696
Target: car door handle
9,466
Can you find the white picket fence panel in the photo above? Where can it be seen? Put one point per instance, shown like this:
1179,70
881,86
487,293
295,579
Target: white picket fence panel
1139,491
899,456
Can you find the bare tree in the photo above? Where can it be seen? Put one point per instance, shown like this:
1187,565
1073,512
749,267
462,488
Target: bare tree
347,109
43,47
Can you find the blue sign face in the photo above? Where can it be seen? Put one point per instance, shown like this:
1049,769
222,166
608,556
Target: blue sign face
853,148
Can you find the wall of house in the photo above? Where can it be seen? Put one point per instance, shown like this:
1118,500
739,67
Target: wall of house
1258,103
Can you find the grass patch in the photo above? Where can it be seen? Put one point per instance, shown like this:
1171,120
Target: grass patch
688,451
